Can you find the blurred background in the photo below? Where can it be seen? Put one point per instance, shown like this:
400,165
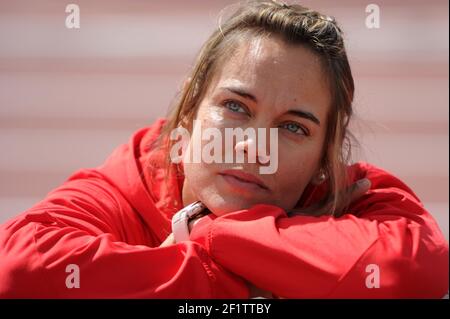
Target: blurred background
68,97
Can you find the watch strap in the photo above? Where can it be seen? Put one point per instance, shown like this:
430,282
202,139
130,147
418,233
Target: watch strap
180,221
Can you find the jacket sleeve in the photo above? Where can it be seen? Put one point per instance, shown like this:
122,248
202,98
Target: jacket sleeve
73,236
388,246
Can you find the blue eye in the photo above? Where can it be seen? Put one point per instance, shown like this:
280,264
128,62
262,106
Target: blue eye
234,107
296,129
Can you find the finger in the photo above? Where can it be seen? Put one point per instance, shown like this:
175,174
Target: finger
351,194
170,240
258,292
358,189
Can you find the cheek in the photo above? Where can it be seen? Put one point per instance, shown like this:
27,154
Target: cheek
198,173
197,177
291,177
216,116
296,177
213,116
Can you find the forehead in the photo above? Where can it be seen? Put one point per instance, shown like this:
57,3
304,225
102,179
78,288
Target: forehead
277,72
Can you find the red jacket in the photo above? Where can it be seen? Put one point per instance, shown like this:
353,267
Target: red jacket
109,221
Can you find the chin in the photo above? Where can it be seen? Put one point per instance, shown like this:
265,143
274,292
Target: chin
220,210
220,206
227,205
222,200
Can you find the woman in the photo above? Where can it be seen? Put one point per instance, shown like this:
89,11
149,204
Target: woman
315,227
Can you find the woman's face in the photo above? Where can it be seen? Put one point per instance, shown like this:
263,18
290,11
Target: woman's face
265,84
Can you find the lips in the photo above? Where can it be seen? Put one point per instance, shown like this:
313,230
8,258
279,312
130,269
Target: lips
244,177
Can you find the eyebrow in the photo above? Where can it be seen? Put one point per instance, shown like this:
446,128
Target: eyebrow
306,115
299,113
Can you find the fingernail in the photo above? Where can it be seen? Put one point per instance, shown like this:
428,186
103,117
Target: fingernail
365,182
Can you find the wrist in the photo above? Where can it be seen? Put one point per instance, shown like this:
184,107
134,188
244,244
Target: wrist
185,219
192,223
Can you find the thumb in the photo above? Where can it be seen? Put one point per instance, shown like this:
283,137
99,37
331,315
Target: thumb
359,188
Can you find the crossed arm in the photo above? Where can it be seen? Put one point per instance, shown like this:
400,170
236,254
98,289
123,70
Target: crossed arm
86,223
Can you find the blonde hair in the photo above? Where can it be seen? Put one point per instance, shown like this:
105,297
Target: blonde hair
296,25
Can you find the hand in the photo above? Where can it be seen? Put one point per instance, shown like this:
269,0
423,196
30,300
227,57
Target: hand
257,292
352,193
170,240
193,222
